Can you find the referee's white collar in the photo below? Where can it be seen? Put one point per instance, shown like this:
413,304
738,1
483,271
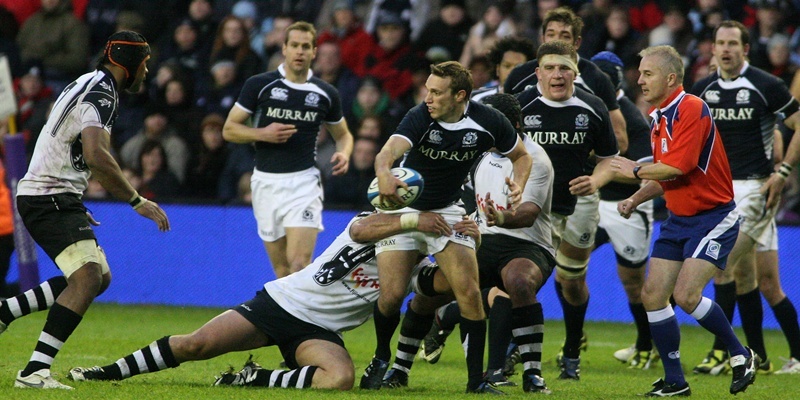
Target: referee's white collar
282,71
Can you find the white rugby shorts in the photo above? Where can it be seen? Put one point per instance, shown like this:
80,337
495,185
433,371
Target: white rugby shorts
580,227
630,237
426,243
290,200
754,217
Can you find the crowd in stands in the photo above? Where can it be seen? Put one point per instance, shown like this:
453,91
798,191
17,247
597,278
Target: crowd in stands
375,52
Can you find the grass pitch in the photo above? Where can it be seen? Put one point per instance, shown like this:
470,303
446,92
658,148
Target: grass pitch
109,332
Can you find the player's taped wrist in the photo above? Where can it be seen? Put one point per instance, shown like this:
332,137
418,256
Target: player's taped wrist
501,218
409,221
137,201
784,170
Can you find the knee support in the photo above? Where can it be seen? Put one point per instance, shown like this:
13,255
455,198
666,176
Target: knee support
569,268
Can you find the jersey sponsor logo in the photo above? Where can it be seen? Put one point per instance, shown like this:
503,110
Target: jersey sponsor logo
743,96
496,165
294,115
532,121
713,249
434,154
712,96
664,148
105,103
312,99
470,139
435,136
342,263
281,94
581,121
732,114
557,137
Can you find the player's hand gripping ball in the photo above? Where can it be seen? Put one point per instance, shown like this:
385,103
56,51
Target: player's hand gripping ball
415,185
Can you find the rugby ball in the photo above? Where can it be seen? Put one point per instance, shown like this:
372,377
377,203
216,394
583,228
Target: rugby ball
415,185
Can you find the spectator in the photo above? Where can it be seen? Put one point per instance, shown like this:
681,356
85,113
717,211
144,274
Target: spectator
205,167
535,30
615,36
232,43
183,48
443,38
8,44
178,104
350,190
156,127
220,94
391,58
494,25
482,72
372,100
768,17
371,128
158,182
96,191
201,14
703,11
240,162
244,192
328,67
54,37
247,11
33,105
778,55
675,31
348,33
272,41
166,72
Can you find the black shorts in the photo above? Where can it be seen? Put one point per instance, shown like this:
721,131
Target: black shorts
497,251
55,221
283,329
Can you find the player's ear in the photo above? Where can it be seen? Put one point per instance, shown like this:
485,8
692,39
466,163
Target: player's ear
461,95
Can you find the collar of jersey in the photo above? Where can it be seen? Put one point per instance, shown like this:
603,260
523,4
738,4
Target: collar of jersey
741,72
673,99
282,71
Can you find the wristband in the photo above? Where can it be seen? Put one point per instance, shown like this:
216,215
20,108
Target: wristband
409,221
137,201
636,171
501,218
785,169
140,205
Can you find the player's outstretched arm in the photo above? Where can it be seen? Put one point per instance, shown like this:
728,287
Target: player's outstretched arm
647,192
96,154
380,226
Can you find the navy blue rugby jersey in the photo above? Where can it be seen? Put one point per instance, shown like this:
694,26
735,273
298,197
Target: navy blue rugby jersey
269,97
745,111
638,147
443,153
568,130
590,79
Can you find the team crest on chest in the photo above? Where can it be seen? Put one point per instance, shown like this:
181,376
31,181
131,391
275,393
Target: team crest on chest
532,121
281,94
435,136
470,139
712,96
312,99
743,96
582,121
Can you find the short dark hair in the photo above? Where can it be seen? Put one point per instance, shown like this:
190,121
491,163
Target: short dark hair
566,16
460,77
558,47
302,26
516,44
744,34
508,105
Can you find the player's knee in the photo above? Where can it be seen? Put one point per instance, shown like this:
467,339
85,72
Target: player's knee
687,300
87,279
771,290
338,377
569,268
520,286
190,347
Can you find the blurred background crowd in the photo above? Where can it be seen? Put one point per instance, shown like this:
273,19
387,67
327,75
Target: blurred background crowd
168,137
